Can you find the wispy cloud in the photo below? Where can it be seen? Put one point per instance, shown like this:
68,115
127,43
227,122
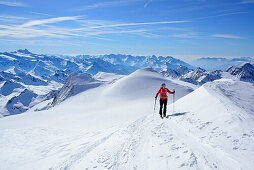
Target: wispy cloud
47,28
47,21
93,28
230,9
19,32
113,32
97,28
247,2
12,19
233,13
191,35
12,3
140,23
227,36
39,13
147,3
102,27
220,15
83,28
45,42
107,4
170,28
185,35
38,28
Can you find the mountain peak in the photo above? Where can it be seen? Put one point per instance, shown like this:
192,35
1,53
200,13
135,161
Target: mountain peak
248,66
245,73
199,69
25,51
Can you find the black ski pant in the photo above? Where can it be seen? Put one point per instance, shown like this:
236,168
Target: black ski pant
163,104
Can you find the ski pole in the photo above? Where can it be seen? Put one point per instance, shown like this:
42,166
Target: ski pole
154,108
174,102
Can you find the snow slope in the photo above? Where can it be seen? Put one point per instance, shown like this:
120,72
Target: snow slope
107,77
219,116
143,83
112,127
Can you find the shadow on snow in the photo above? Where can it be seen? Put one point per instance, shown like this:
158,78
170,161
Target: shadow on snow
177,114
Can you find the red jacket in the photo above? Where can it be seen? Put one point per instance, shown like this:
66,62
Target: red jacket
163,93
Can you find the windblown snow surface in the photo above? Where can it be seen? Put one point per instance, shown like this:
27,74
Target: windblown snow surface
112,127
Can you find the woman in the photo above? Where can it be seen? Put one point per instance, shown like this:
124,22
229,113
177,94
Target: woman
163,98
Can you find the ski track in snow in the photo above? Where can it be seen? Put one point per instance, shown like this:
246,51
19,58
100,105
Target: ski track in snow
143,144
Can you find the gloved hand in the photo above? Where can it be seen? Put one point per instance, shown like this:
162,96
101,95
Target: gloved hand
156,97
174,92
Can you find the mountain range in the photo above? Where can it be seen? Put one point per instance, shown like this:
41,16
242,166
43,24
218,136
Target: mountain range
28,79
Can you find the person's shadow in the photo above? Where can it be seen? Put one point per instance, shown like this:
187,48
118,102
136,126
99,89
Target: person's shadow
177,114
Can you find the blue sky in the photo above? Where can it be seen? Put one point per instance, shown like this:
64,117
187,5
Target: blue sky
186,28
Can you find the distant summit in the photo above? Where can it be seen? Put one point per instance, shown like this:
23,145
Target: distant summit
200,76
25,51
244,73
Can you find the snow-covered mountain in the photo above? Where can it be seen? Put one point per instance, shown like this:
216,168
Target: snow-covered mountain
28,79
175,73
58,76
99,65
112,127
200,76
79,82
44,65
23,71
39,65
19,92
158,63
76,83
24,68
244,73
